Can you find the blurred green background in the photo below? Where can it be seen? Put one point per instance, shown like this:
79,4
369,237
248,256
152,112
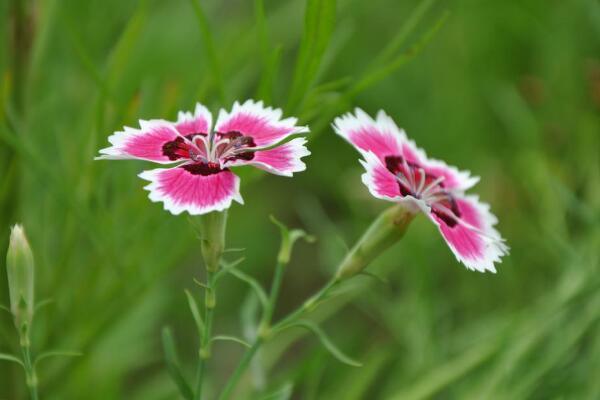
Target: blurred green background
507,89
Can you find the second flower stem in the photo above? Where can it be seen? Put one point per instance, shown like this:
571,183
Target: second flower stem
266,329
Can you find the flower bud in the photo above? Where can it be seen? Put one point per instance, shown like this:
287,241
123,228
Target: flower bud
20,272
386,230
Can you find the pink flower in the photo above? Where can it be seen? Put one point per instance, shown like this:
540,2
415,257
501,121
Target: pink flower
397,170
201,181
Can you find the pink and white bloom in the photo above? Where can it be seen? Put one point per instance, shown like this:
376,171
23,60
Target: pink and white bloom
398,171
201,181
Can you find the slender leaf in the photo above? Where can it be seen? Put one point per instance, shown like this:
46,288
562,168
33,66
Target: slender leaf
267,81
226,266
195,312
57,353
260,292
201,284
325,341
384,71
122,50
283,393
262,31
43,304
9,357
430,384
230,339
209,46
408,27
319,22
173,365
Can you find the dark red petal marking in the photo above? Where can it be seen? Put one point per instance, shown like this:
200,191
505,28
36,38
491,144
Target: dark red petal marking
203,168
442,213
178,148
444,207
236,141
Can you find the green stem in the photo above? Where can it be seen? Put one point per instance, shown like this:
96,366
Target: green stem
239,370
213,226
308,305
264,330
30,375
265,325
204,353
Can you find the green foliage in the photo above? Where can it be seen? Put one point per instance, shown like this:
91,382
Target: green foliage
508,90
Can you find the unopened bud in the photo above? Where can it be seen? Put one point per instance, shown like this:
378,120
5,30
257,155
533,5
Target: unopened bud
386,230
20,272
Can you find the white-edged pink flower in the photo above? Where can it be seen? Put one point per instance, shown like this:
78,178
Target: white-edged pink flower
397,170
201,182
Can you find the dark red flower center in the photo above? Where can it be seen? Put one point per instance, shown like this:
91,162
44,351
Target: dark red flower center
209,153
415,181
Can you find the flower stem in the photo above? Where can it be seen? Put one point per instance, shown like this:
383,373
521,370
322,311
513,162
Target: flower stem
30,375
204,353
308,305
239,370
265,325
264,332
213,227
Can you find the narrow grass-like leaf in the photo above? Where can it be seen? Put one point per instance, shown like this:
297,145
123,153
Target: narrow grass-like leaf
325,341
42,304
384,71
234,250
428,385
209,45
57,353
283,393
227,338
195,312
201,284
267,81
260,292
262,32
4,308
82,53
173,365
226,266
319,22
126,42
9,357
408,27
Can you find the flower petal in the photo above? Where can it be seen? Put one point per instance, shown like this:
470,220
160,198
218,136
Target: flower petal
264,125
384,185
181,190
144,144
473,240
380,136
198,122
454,179
282,160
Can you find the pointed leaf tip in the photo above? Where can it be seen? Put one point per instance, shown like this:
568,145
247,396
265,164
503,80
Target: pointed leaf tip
326,342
